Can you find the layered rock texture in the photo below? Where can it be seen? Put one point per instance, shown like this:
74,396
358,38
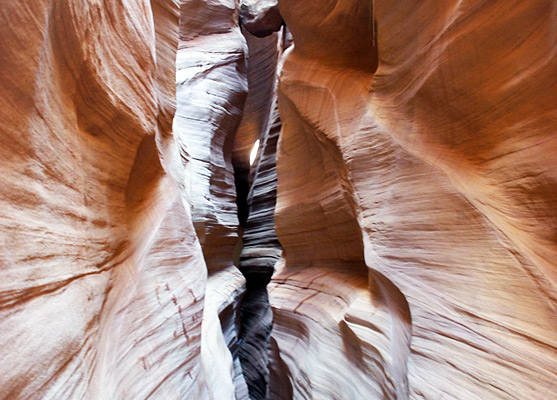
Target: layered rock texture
105,291
211,83
396,237
419,241
261,249
102,277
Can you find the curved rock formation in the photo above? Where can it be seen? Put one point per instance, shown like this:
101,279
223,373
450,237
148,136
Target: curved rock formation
211,91
261,17
419,244
102,275
415,201
261,249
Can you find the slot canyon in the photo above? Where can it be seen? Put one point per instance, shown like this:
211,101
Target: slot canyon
392,236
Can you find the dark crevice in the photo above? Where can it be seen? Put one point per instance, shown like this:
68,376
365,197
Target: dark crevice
260,250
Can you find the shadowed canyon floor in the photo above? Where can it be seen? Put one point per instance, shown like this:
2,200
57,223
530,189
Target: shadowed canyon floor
394,238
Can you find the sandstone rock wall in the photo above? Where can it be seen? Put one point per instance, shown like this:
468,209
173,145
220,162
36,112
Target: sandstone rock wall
103,278
211,92
107,198
415,200
419,240
261,249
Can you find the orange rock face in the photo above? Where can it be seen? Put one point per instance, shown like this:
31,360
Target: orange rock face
102,277
417,183
419,241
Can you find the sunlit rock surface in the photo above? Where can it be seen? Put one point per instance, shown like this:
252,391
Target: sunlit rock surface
420,238
211,91
102,276
415,201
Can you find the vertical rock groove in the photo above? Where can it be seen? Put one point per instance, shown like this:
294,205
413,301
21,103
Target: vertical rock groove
211,92
261,249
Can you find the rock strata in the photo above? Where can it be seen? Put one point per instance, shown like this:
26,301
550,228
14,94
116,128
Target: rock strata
419,242
211,92
399,236
102,278
261,249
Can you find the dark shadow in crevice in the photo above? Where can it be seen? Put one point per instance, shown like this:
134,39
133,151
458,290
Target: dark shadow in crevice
260,250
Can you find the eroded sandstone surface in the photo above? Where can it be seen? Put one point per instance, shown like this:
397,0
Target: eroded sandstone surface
419,243
407,191
102,275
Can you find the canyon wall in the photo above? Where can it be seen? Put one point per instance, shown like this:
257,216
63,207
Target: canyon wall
260,247
102,274
415,224
211,79
416,192
119,217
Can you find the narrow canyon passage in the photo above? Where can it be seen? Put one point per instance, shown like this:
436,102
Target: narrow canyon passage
393,236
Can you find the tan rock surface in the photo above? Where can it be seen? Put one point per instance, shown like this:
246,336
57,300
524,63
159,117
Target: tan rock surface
102,276
211,91
416,200
419,243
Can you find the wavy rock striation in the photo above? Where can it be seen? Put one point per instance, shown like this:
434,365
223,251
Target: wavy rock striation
102,275
415,186
419,243
261,249
211,92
